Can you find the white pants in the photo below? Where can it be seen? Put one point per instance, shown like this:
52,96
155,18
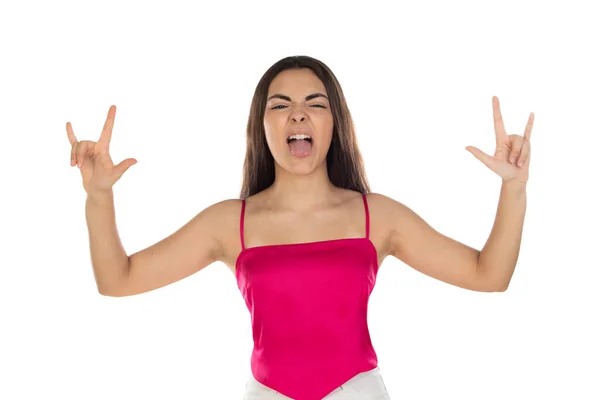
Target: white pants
364,386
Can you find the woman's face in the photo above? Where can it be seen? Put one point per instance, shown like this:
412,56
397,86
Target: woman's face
297,104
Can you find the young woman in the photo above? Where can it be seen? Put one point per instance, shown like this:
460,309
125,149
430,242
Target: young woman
306,238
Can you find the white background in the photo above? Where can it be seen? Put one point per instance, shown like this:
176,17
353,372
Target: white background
419,81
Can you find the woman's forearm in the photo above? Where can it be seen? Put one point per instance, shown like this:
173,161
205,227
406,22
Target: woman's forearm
109,259
498,258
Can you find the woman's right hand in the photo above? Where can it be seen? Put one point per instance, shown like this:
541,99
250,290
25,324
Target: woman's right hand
98,172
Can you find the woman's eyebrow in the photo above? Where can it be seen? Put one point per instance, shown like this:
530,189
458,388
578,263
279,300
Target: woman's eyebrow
309,97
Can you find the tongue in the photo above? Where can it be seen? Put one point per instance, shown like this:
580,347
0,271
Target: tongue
300,147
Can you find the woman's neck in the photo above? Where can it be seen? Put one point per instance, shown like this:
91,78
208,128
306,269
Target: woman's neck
301,192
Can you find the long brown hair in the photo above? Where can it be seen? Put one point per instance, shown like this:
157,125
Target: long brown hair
345,165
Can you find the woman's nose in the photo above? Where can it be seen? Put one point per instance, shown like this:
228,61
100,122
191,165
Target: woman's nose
298,113
298,117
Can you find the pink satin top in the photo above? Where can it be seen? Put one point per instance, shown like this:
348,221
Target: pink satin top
308,305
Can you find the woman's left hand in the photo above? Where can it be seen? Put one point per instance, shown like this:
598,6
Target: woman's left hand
512,155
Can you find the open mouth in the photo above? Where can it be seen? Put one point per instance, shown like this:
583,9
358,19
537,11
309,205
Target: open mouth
299,137
300,145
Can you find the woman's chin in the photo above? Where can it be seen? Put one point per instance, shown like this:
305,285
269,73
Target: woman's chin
301,166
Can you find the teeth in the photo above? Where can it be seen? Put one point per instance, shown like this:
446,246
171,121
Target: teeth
299,136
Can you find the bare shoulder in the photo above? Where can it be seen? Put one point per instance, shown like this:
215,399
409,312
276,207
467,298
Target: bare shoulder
386,208
392,217
381,205
217,219
225,209
401,230
222,209
381,201
225,219
385,214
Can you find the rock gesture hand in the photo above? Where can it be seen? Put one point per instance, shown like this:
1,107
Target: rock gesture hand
512,154
98,172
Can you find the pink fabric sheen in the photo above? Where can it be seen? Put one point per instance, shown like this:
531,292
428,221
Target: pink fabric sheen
308,304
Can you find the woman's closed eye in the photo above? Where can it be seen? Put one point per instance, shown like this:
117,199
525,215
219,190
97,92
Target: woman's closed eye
281,105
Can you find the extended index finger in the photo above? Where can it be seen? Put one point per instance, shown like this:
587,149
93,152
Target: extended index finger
528,127
106,134
498,122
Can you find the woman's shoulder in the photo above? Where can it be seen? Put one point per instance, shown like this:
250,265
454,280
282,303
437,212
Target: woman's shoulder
222,215
223,219
371,197
384,209
378,199
225,209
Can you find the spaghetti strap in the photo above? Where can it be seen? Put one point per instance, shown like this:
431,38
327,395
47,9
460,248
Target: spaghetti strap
367,222
242,223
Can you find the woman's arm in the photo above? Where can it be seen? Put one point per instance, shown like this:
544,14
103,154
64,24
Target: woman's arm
498,257
193,247
109,259
414,242
417,244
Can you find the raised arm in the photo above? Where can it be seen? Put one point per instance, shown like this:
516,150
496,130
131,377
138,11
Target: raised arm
194,246
417,244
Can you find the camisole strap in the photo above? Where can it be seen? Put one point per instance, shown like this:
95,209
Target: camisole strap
368,222
242,223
